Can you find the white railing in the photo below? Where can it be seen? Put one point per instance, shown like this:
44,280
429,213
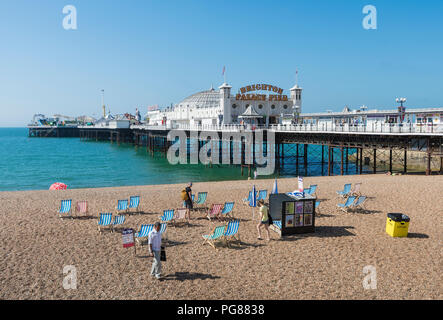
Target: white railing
380,128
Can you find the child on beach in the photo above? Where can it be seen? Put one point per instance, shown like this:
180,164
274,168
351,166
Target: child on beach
264,220
187,198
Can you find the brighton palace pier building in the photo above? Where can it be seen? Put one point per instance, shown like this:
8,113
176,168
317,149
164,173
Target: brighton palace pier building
259,104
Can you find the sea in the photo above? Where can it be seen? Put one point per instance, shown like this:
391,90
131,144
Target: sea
36,163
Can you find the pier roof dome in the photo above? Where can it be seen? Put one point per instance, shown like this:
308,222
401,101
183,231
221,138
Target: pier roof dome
203,99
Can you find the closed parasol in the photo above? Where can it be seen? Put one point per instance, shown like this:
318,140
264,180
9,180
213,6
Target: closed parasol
58,186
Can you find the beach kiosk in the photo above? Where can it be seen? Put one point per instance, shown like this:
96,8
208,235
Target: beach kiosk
292,213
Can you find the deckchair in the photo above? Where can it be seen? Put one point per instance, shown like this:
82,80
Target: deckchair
214,211
163,227
232,232
168,216
262,195
201,199
105,220
356,189
359,204
118,221
248,199
134,203
312,190
348,204
65,207
180,215
317,204
122,206
216,235
144,232
227,210
81,207
346,190
277,223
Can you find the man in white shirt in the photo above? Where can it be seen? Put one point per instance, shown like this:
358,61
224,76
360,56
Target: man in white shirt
155,242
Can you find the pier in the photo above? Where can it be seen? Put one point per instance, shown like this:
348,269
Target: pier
336,150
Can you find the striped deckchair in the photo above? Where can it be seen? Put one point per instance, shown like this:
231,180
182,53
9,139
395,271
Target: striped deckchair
348,204
216,235
231,232
228,210
201,199
356,189
248,199
134,203
359,204
346,190
317,204
105,220
180,215
214,211
262,195
118,221
312,190
81,207
277,223
65,208
122,206
144,232
168,216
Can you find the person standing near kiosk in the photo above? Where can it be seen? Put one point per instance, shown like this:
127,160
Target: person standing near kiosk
264,220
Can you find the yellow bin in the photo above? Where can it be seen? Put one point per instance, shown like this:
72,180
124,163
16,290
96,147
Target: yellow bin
397,225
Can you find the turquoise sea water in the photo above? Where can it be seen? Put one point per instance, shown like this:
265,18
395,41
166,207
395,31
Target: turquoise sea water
36,163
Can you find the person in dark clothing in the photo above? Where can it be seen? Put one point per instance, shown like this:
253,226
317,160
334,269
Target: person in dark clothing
188,202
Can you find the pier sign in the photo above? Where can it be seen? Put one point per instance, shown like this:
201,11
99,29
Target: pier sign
244,95
128,238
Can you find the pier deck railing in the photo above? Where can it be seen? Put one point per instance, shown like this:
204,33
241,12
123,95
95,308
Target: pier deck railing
372,128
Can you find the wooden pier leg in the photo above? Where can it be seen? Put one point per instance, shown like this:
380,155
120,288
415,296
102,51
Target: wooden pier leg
390,160
297,155
341,162
428,164
347,158
329,161
305,158
361,160
356,160
375,162
322,158
405,164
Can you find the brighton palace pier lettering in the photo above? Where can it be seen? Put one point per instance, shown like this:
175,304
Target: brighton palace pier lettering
243,95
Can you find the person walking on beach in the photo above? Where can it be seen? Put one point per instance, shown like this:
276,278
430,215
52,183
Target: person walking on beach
155,243
187,197
264,220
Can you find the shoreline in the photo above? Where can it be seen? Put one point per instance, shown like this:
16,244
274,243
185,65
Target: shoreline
327,264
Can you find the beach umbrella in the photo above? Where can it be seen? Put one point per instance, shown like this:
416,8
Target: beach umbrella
274,188
58,186
253,201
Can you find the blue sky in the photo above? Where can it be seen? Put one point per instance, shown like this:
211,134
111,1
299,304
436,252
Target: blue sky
159,52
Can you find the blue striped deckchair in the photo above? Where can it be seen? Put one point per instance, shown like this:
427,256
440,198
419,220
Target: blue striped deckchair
346,190
134,203
317,204
228,210
277,223
312,190
144,232
118,221
216,235
201,199
168,216
105,220
122,206
232,232
262,195
248,199
359,204
65,207
348,204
